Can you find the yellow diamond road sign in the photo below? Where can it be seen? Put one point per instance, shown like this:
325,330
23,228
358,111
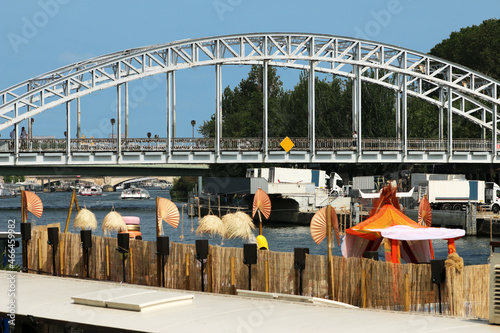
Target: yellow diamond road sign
287,144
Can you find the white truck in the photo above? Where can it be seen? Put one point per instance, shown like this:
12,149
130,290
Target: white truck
297,176
456,194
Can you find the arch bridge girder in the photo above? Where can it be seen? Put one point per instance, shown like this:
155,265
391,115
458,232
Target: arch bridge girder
423,75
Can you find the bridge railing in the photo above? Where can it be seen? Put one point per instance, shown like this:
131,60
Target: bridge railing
239,144
299,143
254,144
472,145
193,144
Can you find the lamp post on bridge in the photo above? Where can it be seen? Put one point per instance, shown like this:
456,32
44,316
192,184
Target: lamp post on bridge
193,123
112,127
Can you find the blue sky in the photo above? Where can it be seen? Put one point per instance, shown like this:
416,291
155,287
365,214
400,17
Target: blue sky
66,31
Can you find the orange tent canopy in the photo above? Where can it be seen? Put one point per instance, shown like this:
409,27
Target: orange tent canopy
386,217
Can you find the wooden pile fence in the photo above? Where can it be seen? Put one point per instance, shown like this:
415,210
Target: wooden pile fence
357,281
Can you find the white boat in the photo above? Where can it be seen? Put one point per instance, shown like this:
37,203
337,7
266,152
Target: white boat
90,190
135,193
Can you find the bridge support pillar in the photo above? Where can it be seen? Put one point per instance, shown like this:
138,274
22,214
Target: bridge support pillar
404,105
398,107
118,122
169,114
16,140
78,119
126,108
441,113
494,133
265,135
173,105
312,107
218,109
68,128
450,123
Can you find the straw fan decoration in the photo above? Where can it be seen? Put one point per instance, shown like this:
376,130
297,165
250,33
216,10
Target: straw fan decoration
425,212
238,225
30,202
261,204
425,217
113,222
319,224
166,211
85,220
210,224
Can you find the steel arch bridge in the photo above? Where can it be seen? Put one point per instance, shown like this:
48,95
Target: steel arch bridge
462,92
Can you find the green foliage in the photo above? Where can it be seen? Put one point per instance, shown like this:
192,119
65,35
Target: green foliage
13,179
242,107
181,187
475,47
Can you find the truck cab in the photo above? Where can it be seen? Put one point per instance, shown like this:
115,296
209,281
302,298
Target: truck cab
492,197
336,185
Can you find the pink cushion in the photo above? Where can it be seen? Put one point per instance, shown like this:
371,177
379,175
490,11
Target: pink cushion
134,220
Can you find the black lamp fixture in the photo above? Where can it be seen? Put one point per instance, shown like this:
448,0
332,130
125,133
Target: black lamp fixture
193,123
112,127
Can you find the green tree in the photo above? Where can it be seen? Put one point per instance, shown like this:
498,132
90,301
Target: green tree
13,179
181,187
332,108
242,107
476,47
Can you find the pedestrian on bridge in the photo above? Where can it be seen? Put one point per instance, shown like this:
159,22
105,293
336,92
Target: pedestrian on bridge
24,136
12,137
354,139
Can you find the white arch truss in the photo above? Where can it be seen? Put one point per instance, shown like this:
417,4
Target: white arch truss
462,91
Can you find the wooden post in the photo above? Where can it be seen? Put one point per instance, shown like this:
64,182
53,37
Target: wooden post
329,247
199,209
61,255
191,211
233,278
187,271
131,265
40,264
107,262
266,269
260,222
407,292
159,258
74,201
218,199
363,288
209,273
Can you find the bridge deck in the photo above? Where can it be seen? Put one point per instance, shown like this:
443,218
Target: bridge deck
242,150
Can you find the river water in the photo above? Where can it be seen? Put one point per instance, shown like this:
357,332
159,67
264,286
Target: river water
283,238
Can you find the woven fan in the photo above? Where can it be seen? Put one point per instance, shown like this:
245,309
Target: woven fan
167,211
113,222
425,212
238,225
262,203
85,220
319,224
33,203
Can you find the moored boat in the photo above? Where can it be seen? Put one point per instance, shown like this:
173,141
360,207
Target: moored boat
90,190
135,193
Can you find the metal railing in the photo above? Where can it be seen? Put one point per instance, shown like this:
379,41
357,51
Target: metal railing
240,144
